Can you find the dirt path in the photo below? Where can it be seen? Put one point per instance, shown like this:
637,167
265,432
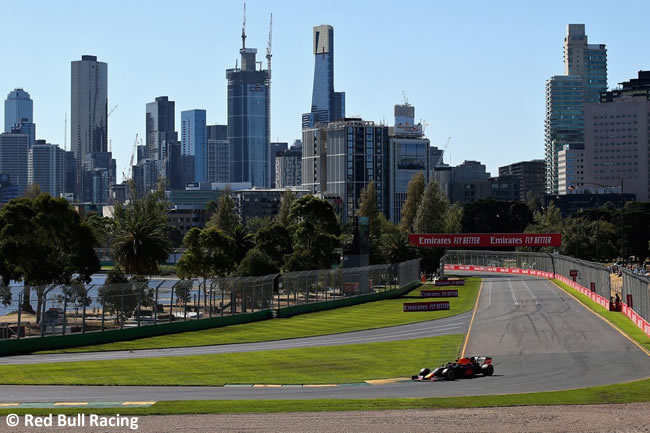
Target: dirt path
547,419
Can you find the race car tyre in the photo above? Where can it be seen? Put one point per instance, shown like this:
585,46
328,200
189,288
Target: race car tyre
488,370
449,374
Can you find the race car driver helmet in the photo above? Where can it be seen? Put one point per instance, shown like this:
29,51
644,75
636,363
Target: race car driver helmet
424,372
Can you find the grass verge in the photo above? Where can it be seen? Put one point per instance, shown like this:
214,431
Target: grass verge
619,319
631,392
313,365
378,314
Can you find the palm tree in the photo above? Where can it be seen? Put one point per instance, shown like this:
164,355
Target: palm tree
139,236
243,241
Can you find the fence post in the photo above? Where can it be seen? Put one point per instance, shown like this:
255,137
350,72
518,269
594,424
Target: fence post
65,310
20,307
83,315
171,304
155,306
103,311
137,311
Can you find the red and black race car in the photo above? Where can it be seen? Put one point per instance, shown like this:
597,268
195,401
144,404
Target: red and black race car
459,369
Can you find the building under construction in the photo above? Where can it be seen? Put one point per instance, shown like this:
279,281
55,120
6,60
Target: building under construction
249,117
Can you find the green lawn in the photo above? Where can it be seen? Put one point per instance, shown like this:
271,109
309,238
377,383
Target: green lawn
631,392
316,365
619,319
371,315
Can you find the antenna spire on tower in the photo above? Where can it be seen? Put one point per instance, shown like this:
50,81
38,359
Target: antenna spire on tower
243,29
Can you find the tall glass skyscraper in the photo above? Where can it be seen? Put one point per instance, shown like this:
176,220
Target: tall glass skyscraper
585,68
89,110
326,104
19,114
160,127
194,141
249,121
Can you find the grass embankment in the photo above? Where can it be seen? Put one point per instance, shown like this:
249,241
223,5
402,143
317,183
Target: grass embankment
314,365
619,319
378,314
632,392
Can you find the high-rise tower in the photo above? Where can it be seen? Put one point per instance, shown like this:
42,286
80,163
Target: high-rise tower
19,114
194,141
326,104
89,110
585,68
249,120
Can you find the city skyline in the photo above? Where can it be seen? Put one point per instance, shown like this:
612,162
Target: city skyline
430,55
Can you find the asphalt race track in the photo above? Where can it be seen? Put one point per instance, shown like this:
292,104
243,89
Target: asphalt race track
449,325
540,337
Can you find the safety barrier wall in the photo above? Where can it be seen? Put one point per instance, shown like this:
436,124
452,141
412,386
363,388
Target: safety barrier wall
591,279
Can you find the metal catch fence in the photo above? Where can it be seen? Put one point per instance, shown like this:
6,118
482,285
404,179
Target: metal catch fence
594,276
63,310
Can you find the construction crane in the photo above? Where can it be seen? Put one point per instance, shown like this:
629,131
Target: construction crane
135,150
111,112
268,48
444,150
65,133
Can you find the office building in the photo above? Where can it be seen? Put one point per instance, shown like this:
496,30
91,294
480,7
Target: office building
504,188
160,127
531,176
340,158
46,167
617,139
288,168
218,154
14,149
88,111
249,120
70,176
261,203
571,169
277,149
326,104
145,176
469,182
194,141
99,172
8,190
19,114
409,155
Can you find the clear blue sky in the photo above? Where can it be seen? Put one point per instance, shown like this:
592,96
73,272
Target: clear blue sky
475,70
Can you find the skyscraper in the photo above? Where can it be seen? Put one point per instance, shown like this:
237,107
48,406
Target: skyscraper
160,127
194,141
326,104
565,124
585,68
249,120
586,60
46,167
13,158
89,110
218,154
19,114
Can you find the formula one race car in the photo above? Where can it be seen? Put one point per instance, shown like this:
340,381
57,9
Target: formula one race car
461,368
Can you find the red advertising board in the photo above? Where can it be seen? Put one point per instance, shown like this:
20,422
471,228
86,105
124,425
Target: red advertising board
439,293
480,240
426,306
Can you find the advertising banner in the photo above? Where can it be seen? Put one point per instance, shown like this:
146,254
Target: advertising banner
426,306
439,293
481,240
449,283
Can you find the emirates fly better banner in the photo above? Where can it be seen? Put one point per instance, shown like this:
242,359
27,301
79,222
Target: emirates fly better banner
481,240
